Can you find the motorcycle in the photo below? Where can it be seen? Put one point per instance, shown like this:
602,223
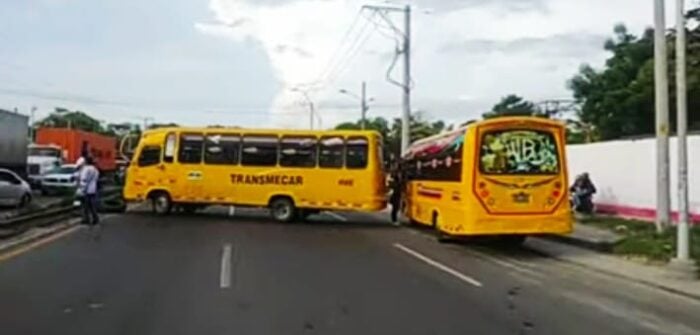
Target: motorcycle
585,203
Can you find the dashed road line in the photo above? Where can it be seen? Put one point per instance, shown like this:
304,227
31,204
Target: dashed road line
225,275
439,266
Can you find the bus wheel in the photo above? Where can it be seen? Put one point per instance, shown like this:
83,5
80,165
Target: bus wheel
161,203
282,209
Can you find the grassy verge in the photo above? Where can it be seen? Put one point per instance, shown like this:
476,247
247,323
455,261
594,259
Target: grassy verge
642,241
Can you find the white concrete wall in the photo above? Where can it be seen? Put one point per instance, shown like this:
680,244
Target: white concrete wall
625,171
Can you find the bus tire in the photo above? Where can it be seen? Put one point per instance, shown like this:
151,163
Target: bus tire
161,203
282,209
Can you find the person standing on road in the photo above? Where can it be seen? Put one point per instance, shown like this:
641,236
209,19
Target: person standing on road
87,189
396,190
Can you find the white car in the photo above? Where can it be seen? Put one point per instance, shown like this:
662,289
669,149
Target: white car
14,191
63,178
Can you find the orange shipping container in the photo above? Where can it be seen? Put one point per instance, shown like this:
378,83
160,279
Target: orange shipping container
100,147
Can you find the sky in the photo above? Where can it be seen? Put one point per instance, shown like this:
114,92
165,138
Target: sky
254,63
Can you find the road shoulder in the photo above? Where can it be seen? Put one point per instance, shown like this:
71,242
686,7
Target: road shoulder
653,276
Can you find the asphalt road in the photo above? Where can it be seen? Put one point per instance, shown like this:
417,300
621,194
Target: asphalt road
340,274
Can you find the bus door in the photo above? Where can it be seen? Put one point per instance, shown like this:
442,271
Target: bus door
167,175
520,169
190,171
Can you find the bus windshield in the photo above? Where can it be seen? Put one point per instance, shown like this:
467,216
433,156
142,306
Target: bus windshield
518,151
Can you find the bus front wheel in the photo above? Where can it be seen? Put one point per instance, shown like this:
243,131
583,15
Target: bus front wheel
282,209
161,203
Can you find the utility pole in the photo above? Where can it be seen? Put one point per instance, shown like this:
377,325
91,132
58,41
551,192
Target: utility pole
32,122
363,100
663,197
406,51
364,103
682,265
406,116
312,110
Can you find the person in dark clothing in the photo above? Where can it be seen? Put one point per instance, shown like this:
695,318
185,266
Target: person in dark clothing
396,190
582,191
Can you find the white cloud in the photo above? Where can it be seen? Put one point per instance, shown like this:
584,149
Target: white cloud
469,48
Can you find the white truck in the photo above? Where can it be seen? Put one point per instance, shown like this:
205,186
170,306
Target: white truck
42,159
14,137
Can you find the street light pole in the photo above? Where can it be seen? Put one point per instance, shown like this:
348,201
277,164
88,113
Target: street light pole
682,264
663,197
363,101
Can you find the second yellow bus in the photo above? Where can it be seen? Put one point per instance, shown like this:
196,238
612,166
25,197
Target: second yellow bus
505,176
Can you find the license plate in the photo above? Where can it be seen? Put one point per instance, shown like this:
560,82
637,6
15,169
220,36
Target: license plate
521,198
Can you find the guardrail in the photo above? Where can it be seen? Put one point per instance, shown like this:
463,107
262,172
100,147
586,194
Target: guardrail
110,201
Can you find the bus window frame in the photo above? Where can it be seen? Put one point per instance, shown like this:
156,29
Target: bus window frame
165,158
554,134
343,146
180,146
316,157
239,150
146,147
367,152
242,149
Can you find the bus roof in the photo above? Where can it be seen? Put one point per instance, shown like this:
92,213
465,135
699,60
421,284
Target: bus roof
261,131
498,120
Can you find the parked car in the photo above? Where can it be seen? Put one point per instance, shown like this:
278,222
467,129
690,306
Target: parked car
14,191
60,179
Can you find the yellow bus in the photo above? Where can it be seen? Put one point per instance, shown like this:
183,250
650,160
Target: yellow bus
504,176
294,173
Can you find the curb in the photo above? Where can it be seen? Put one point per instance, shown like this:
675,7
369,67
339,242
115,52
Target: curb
22,240
649,283
603,247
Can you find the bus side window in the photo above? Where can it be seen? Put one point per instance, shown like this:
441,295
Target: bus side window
222,149
259,150
331,152
357,150
169,154
149,156
190,149
298,151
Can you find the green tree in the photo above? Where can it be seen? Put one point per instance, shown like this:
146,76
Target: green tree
511,105
391,133
618,100
64,118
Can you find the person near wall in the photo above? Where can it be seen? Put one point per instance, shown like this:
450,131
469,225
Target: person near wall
582,193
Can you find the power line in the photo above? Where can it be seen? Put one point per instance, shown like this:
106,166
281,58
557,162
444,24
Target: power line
337,50
357,43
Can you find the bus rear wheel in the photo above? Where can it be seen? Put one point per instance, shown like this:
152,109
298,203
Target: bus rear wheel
282,209
161,203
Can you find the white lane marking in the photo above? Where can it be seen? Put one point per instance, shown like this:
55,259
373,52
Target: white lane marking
439,266
337,216
225,275
503,262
